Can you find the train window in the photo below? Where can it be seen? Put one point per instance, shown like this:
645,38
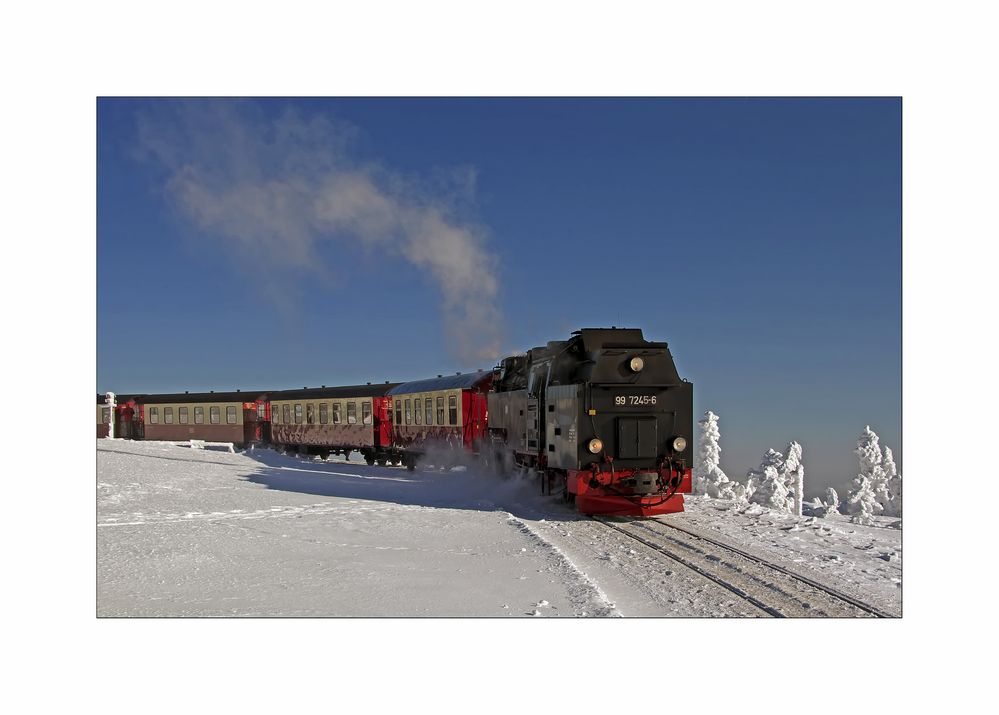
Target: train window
276,414
409,412
214,415
298,414
452,408
440,410
398,412
154,415
182,415
324,413
336,413
430,410
286,414
168,415
310,413
366,413
199,415
261,410
419,411
105,414
230,415
352,413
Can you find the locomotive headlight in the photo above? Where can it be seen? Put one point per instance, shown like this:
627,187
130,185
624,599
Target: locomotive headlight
636,364
679,444
595,445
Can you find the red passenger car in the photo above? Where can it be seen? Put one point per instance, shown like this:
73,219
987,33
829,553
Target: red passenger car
442,413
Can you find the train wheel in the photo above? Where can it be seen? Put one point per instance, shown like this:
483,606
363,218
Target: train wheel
382,462
369,459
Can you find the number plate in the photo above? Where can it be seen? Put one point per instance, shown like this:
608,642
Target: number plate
622,399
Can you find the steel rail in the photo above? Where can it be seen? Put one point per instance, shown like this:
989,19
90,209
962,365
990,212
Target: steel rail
873,610
695,568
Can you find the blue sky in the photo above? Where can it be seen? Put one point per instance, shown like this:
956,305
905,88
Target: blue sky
760,238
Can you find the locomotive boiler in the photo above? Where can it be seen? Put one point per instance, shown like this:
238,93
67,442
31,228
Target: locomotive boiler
603,416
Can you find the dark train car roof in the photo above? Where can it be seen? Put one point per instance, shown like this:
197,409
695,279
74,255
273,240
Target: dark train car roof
237,396
446,382
312,393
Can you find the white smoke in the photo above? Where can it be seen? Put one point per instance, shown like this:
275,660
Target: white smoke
276,188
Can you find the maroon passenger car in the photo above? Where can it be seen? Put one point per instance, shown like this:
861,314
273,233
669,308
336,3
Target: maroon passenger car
334,420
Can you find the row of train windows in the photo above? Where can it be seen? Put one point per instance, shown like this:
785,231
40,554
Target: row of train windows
284,414
421,411
214,415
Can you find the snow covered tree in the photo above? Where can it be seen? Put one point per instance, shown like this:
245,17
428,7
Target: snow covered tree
861,504
793,474
708,475
893,484
767,485
868,492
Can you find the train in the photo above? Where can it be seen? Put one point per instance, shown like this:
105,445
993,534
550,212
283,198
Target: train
602,419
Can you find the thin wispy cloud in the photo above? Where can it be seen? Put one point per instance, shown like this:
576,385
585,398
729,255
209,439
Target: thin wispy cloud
274,189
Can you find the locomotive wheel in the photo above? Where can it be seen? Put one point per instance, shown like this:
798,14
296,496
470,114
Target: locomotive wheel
369,459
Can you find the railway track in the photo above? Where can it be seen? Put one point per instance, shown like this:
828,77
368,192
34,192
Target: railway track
769,587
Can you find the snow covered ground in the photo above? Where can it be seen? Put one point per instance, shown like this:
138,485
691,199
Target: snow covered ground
185,532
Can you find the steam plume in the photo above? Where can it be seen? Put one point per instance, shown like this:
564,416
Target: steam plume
275,188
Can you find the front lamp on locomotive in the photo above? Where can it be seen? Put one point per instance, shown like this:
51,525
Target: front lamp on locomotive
603,414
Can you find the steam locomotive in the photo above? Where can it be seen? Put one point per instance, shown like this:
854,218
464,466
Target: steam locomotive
603,417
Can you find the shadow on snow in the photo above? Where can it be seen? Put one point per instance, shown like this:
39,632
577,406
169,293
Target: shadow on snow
425,487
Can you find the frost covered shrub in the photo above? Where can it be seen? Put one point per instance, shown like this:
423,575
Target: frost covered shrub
831,502
708,475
